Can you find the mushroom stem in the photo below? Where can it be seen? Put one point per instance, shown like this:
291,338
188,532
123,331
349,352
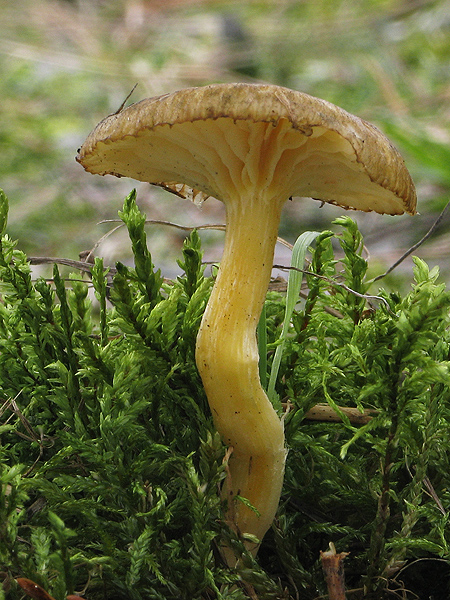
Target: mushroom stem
227,359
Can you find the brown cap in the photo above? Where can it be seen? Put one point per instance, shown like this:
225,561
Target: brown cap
220,139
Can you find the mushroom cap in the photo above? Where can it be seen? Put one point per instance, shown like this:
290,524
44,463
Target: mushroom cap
221,140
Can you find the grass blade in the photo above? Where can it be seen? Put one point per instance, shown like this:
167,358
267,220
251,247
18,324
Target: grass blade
293,290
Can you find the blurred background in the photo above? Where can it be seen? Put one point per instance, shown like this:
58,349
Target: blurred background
66,64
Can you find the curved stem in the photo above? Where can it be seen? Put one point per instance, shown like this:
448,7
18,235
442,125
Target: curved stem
227,359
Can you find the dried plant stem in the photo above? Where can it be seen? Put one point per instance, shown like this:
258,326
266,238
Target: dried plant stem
335,283
419,243
377,541
333,569
324,412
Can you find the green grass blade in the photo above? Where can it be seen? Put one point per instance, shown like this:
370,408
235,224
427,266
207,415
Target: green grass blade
4,206
293,290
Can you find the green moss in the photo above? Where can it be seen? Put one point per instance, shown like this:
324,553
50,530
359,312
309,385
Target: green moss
110,465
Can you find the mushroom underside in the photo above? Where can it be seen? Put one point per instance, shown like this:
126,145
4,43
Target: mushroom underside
221,157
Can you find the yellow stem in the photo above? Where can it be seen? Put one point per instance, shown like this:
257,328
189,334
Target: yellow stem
227,359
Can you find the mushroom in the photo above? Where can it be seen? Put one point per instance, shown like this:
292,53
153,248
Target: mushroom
251,146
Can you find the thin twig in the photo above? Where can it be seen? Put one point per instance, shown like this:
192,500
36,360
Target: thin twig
337,284
122,106
85,264
32,436
419,243
79,265
214,226
218,226
431,492
90,254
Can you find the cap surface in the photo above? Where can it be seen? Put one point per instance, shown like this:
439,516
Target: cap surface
226,140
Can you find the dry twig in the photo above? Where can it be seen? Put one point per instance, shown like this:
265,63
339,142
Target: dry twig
419,243
333,569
